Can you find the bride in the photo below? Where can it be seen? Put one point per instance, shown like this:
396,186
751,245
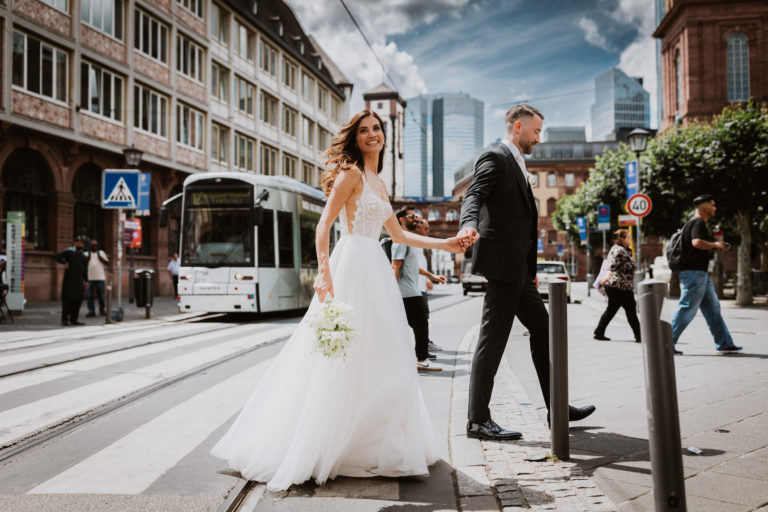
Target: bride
314,417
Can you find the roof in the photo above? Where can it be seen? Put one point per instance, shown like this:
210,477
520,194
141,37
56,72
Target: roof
383,91
336,74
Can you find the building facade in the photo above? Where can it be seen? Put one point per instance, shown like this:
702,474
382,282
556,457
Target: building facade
388,104
621,105
712,53
449,127
196,85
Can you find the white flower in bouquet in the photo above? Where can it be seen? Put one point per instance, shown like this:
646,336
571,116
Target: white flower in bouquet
332,329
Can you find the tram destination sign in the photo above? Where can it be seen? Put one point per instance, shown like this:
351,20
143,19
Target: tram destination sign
218,198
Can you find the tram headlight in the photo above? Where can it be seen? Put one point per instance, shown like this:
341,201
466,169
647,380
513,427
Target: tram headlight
186,277
241,277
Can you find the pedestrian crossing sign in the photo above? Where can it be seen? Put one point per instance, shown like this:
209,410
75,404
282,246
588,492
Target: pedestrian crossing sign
120,188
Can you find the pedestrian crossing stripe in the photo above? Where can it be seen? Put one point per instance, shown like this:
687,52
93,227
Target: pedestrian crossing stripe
121,193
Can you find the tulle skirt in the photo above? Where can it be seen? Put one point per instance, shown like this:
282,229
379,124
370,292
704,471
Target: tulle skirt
314,417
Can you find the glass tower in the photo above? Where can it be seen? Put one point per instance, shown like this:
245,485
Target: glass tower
621,104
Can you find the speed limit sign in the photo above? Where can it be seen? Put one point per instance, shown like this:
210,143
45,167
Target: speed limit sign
639,205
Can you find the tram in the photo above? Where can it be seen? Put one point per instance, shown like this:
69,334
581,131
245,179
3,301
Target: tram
247,242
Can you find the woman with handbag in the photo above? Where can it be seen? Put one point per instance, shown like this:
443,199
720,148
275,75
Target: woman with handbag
619,285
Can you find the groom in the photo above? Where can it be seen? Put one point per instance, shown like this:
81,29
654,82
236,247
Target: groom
499,213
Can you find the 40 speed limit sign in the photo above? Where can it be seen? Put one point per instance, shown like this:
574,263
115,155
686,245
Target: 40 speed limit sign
639,205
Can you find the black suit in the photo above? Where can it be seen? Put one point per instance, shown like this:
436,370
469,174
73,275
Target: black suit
500,206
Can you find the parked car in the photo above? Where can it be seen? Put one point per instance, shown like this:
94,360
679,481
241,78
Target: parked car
548,271
473,283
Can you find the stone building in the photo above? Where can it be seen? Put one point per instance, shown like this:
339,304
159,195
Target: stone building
388,104
196,85
712,53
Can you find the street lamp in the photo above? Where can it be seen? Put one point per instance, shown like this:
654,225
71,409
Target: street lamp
638,139
133,159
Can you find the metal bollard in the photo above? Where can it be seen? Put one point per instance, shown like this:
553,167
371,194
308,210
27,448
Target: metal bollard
108,299
558,370
661,399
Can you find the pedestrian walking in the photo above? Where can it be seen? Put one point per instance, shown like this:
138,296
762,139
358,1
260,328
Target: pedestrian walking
499,213
698,292
97,275
173,268
405,263
619,286
74,282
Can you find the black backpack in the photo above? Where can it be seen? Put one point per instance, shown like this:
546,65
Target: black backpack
386,245
675,252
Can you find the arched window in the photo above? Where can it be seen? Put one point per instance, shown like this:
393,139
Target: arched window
551,205
678,81
737,57
434,214
29,187
451,215
89,215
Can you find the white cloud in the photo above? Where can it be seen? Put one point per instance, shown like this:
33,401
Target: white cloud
592,34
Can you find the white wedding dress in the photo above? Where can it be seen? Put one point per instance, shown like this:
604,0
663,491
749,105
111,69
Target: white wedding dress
314,417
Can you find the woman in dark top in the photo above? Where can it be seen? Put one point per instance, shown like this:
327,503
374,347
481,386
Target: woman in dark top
619,285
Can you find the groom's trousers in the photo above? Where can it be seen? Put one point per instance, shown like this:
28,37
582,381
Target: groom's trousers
504,301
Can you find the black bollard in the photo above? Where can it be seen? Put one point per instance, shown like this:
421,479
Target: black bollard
558,370
661,399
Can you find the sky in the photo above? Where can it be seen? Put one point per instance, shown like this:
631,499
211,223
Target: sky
543,52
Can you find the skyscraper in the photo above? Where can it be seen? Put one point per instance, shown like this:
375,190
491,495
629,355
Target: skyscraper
442,132
621,105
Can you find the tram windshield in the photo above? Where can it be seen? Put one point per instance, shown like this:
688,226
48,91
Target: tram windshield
217,228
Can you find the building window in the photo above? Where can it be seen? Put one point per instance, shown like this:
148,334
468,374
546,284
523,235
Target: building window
552,237
451,215
308,174
551,180
29,187
268,109
101,92
535,177
322,99
738,67
150,37
551,205
39,67
289,74
678,81
150,111
433,215
307,86
285,239
307,131
323,138
219,82
289,165
193,6
289,121
189,127
244,152
268,160
103,15
219,24
244,42
88,213
61,5
219,143
268,58
335,110
569,179
244,96
189,58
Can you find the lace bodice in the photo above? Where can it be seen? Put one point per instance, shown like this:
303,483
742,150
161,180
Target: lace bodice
370,214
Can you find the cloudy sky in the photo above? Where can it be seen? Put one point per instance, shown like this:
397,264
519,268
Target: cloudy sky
547,52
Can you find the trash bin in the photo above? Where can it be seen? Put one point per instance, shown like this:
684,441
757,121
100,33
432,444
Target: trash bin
142,286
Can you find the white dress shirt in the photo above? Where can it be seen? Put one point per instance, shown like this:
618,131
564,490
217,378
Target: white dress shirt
518,158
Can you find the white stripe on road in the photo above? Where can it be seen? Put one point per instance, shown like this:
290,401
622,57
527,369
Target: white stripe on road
43,375
23,421
131,464
21,339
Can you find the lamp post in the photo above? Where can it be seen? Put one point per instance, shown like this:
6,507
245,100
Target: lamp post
133,159
638,139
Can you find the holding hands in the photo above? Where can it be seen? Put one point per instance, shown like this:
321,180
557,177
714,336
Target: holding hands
460,242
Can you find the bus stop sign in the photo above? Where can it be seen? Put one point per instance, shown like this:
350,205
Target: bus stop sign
120,188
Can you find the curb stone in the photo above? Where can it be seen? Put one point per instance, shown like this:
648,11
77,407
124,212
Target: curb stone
489,469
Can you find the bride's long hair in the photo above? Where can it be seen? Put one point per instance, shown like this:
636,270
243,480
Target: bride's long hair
344,153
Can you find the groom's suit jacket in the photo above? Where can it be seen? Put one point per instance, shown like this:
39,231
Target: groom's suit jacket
500,206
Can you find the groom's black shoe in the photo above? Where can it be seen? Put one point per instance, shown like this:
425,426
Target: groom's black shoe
490,430
577,413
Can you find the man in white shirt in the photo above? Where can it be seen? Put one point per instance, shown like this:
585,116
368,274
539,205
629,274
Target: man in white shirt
426,278
96,259
173,268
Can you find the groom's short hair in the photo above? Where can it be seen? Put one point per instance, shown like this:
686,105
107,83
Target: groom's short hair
519,111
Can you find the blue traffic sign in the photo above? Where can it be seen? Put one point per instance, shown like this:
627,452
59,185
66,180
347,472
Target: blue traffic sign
630,169
581,222
142,209
560,249
540,247
604,217
120,188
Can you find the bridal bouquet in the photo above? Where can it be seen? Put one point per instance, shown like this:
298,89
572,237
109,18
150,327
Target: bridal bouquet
331,324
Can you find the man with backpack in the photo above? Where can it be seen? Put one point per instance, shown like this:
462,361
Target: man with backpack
689,253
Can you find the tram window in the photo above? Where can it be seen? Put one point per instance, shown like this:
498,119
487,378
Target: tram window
307,224
267,240
285,239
